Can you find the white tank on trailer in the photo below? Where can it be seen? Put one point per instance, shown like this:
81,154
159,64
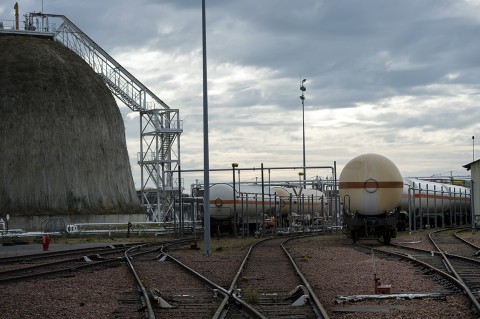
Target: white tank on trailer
370,185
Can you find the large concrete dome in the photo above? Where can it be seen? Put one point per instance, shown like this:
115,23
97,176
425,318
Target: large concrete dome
62,137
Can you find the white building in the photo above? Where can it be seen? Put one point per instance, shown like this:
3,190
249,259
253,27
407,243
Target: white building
475,188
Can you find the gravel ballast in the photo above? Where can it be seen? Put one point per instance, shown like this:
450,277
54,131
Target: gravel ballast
330,263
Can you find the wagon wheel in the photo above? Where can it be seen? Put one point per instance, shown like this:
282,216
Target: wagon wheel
355,236
387,238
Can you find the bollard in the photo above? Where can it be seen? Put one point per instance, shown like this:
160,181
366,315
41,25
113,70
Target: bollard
129,227
45,242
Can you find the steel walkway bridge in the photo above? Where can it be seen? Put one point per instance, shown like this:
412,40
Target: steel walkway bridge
160,126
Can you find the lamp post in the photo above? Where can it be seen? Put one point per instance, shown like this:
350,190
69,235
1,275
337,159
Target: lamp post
206,158
300,174
302,97
473,146
234,165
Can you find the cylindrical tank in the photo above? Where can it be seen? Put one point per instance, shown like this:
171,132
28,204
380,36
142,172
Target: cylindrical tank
432,197
249,202
248,199
370,185
298,200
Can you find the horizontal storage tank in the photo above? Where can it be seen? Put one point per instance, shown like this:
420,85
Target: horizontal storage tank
430,196
370,185
222,201
249,201
310,199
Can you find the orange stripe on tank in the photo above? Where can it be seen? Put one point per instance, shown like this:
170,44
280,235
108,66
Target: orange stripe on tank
239,201
437,197
370,184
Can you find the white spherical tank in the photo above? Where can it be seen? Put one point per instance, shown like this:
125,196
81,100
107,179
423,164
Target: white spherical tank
370,185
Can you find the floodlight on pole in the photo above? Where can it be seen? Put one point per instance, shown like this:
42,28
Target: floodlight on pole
206,159
302,97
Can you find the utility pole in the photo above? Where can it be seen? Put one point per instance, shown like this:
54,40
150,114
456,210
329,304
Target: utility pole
302,97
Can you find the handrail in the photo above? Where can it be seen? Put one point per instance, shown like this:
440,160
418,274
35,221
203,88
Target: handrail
69,27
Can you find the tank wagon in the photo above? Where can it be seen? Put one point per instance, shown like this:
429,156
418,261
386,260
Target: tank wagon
253,206
434,204
371,188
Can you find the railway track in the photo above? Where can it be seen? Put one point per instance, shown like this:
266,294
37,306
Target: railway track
171,289
81,283
38,266
451,241
131,304
271,282
451,261
162,269
461,262
63,254
168,289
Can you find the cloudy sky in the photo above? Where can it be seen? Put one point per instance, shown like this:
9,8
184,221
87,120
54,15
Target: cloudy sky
398,78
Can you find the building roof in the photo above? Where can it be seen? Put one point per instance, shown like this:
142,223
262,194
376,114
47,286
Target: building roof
469,165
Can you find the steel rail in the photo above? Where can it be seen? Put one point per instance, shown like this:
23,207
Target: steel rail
148,304
464,240
227,294
316,304
240,270
468,292
242,267
416,261
64,253
128,256
90,258
313,300
444,256
219,312
51,272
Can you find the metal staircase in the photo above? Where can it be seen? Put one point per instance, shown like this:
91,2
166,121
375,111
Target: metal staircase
124,97
160,126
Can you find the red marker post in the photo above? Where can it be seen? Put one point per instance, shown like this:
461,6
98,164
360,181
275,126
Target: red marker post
45,242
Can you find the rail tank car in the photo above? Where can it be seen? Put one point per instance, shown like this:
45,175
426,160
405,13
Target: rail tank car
267,207
370,187
435,204
303,205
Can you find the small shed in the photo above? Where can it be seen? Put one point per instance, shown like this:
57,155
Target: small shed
474,167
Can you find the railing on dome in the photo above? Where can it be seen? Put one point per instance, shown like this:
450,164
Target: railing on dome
160,126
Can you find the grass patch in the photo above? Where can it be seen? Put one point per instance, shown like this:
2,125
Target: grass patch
251,296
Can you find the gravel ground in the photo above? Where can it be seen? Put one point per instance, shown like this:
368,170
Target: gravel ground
222,265
83,295
333,268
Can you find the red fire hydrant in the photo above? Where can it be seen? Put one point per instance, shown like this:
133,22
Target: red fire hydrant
45,242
